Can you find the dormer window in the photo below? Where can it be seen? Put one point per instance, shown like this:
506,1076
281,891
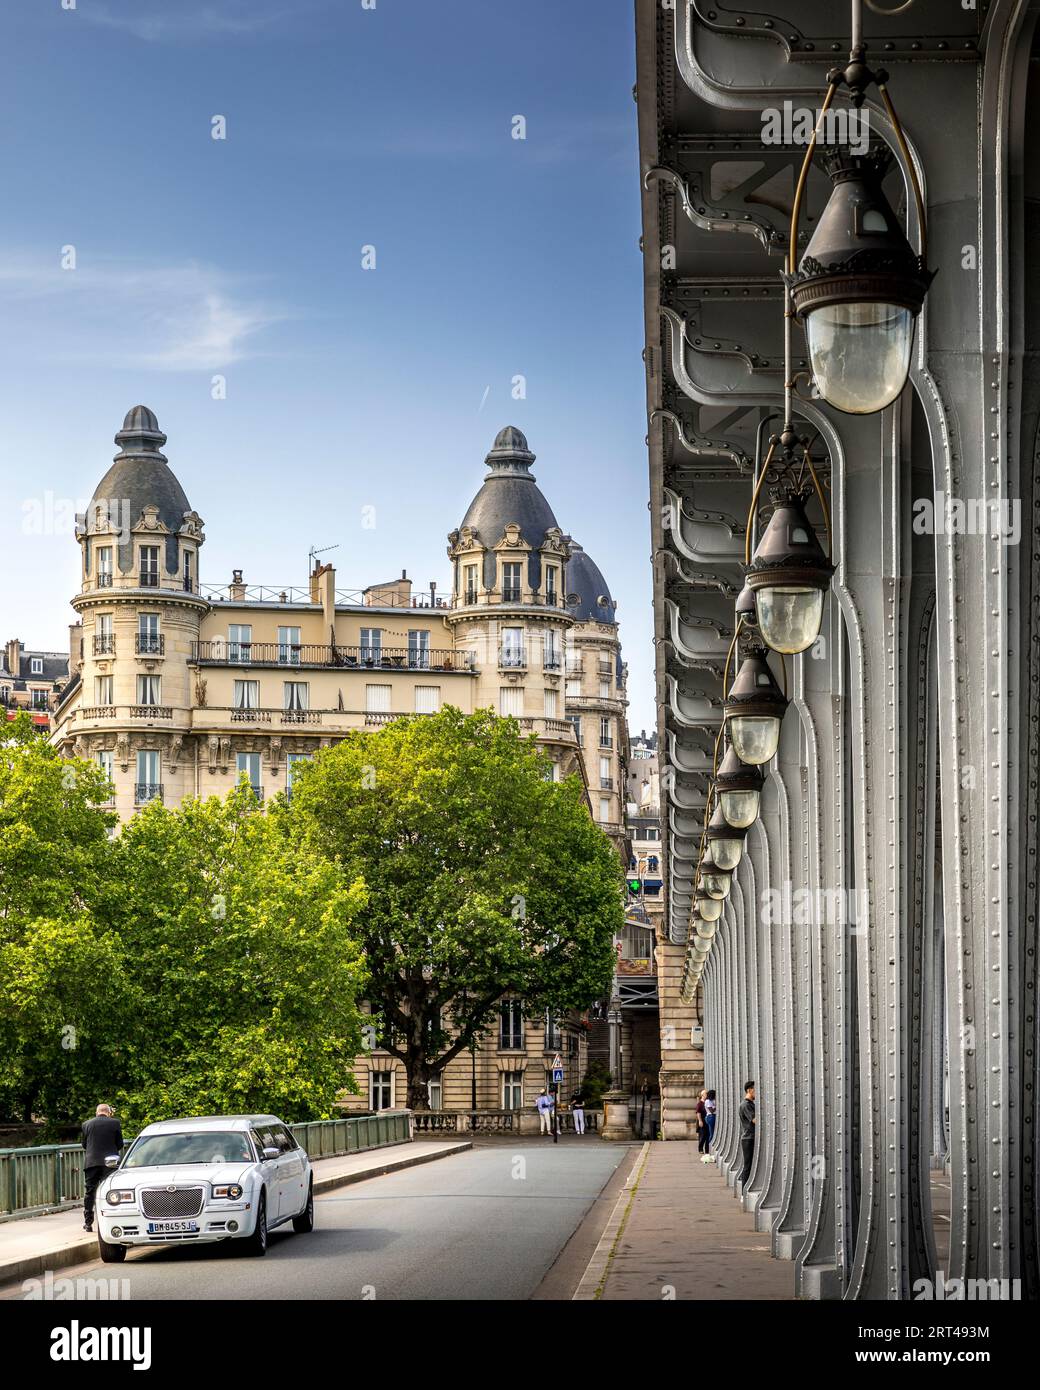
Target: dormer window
36,665
149,566
511,582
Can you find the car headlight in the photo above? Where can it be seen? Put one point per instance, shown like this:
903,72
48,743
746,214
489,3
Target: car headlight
115,1195
231,1190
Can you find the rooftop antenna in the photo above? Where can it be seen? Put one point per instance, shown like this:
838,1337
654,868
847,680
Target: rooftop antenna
313,554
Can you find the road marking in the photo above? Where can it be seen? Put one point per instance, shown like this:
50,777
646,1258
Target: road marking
595,1277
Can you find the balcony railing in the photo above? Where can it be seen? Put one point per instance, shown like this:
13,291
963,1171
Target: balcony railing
247,715
104,579
147,791
551,661
150,644
220,653
511,594
148,580
151,712
301,716
606,741
512,658
104,644
98,712
606,784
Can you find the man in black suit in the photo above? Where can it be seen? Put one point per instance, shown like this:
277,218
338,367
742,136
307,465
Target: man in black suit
102,1137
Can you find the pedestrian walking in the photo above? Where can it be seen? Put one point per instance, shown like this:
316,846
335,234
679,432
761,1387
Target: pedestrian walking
702,1127
102,1137
709,1110
578,1112
747,1131
544,1105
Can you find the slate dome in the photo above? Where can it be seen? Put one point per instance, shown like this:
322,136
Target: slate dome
510,495
584,580
140,477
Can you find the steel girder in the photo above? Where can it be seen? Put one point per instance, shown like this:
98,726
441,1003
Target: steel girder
912,744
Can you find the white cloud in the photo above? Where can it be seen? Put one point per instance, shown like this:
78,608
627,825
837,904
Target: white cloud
180,317
156,20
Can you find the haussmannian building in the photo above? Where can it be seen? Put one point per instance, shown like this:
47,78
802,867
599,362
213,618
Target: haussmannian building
182,689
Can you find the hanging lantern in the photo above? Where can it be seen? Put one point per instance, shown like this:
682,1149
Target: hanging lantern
745,606
858,290
739,788
789,575
715,881
753,710
709,909
726,842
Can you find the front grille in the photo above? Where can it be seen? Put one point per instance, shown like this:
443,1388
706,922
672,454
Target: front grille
160,1205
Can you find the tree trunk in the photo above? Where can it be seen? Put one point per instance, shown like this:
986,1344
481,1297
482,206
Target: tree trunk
418,1072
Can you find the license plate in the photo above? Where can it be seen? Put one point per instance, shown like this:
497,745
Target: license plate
157,1228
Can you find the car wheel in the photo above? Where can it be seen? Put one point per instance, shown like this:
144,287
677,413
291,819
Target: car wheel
110,1254
256,1244
305,1221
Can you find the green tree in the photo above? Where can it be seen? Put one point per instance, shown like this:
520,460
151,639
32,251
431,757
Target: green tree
62,988
483,878
241,951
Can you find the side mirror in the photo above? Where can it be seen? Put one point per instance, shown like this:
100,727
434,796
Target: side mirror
269,1151
112,1161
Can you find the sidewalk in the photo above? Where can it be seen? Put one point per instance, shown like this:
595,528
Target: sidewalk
37,1243
677,1231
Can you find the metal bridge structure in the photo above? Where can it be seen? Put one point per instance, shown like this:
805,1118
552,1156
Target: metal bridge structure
874,967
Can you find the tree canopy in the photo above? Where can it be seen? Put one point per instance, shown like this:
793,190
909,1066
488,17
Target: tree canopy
484,878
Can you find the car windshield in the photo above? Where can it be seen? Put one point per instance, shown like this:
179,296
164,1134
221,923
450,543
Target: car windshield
203,1146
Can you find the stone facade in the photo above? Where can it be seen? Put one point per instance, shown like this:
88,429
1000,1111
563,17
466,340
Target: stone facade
181,689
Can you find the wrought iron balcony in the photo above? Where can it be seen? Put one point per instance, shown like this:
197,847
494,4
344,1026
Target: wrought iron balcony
222,653
150,644
147,791
606,784
104,579
551,662
148,580
510,594
512,658
104,644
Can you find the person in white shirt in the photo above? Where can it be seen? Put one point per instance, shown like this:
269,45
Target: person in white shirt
544,1106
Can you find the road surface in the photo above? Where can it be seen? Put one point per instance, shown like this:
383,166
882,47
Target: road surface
484,1224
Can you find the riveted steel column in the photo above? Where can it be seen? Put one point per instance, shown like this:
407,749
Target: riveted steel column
790,1228
818,1265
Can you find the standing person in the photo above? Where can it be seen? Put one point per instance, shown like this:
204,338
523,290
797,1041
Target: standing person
102,1136
578,1112
709,1110
702,1127
544,1106
747,1131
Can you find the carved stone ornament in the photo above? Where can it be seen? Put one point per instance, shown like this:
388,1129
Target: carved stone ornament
150,520
123,751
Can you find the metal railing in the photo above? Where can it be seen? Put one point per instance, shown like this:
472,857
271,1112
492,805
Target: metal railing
220,653
435,1122
147,791
104,644
512,658
36,1180
150,644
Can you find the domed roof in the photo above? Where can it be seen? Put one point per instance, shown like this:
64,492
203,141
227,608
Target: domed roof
139,477
510,495
584,580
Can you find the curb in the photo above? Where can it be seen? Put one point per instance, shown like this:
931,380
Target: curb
591,1283
86,1249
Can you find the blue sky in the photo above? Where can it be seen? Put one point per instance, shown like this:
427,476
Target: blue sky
346,389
